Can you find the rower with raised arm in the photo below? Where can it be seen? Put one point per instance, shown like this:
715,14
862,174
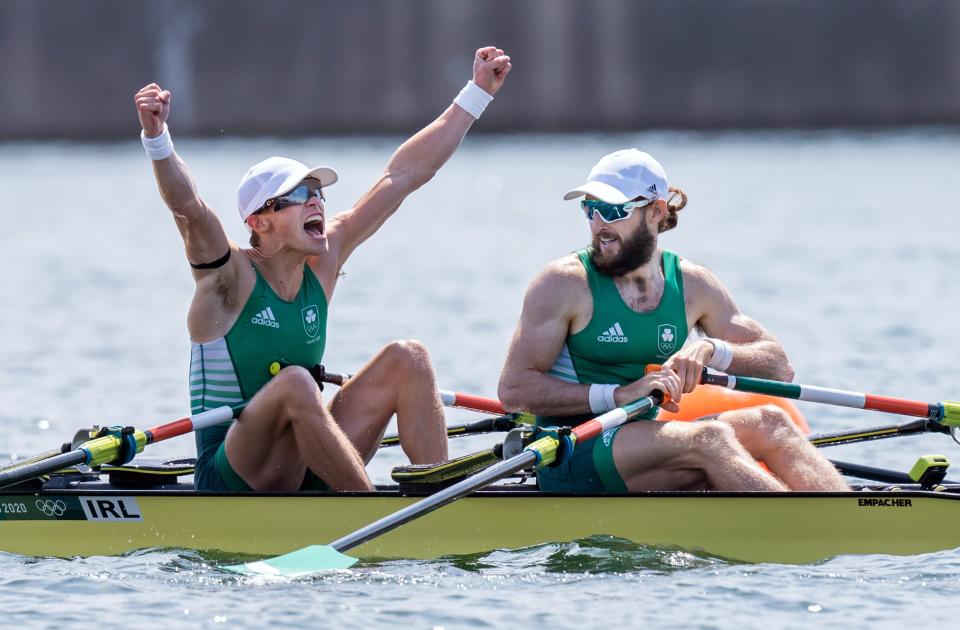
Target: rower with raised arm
266,304
591,323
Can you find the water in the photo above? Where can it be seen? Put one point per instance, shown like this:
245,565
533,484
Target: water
839,243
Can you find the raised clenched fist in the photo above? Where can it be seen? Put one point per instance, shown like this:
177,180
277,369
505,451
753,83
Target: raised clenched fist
490,68
153,107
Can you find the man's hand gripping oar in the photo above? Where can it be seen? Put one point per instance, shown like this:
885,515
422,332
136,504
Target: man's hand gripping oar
117,445
542,452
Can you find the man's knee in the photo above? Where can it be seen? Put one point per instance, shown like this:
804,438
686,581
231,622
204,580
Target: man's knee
774,420
710,436
295,387
407,355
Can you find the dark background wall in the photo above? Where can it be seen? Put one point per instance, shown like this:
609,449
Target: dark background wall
70,68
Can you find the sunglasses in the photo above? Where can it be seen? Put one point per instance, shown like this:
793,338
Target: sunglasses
300,195
611,212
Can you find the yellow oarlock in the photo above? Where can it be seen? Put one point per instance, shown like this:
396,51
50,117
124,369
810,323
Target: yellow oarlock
104,450
930,470
951,413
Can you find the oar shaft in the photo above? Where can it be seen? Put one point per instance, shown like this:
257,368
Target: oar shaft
202,420
914,427
38,469
434,501
105,449
487,425
826,395
469,401
542,452
449,398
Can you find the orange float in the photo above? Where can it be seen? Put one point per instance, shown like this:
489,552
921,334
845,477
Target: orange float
707,400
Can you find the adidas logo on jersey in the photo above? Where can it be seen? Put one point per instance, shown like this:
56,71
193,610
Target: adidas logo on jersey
265,318
614,335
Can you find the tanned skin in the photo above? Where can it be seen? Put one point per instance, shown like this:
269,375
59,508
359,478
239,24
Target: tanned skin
287,426
718,452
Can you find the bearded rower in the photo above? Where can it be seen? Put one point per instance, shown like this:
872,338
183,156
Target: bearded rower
266,304
591,323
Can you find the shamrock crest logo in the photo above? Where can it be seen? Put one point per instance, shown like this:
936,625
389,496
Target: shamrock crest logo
311,323
666,338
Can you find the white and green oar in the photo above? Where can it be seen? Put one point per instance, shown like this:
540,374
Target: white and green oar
542,452
117,445
946,412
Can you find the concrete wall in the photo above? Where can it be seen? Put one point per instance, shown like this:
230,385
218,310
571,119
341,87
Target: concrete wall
70,68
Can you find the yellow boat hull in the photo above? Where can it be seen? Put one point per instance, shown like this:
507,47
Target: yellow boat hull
756,527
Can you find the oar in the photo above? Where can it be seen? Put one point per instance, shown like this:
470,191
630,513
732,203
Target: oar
39,457
119,445
449,398
946,412
487,425
883,475
914,427
542,452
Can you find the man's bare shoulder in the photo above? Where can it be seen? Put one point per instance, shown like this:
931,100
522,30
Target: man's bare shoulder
561,276
228,285
697,278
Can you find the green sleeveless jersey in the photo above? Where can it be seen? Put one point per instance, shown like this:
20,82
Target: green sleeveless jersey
619,342
230,370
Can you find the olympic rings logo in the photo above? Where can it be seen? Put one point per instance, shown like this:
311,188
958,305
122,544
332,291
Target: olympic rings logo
51,508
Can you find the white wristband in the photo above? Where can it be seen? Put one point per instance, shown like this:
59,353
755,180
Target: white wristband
473,99
601,398
722,354
158,148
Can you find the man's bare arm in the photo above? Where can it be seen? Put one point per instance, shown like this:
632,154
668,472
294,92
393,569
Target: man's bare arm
541,332
203,235
545,321
756,352
415,162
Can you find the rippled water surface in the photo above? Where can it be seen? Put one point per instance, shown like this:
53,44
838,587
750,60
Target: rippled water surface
842,244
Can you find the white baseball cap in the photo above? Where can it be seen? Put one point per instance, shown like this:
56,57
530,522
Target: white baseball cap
622,176
273,177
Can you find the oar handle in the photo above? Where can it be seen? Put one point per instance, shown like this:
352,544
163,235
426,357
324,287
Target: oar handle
547,446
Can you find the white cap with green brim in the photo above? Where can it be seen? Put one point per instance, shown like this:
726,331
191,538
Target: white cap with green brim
273,177
623,176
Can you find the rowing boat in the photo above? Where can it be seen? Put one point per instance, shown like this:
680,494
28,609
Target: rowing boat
88,499
76,515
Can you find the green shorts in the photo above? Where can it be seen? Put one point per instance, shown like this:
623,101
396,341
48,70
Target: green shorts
590,471
219,476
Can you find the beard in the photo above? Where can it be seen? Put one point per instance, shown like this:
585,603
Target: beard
636,250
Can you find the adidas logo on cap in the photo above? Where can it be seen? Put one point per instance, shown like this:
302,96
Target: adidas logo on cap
614,335
265,318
